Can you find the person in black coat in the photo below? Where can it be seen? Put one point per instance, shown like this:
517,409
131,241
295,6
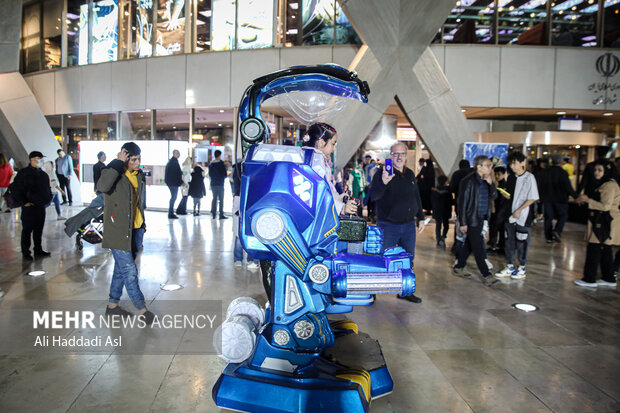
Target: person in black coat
31,188
197,188
554,188
217,174
426,183
500,215
174,179
442,209
97,168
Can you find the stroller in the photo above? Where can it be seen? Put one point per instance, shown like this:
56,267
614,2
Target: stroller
87,224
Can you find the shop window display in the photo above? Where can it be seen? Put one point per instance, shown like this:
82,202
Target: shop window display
73,31
31,39
135,125
170,34
172,125
223,25
52,33
203,25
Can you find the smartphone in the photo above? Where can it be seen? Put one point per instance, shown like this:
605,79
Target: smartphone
388,166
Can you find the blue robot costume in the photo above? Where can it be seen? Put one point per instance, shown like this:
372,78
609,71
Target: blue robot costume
291,357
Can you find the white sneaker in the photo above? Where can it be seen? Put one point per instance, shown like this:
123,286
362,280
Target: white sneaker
1,293
603,283
506,272
582,283
238,264
253,267
60,218
489,265
519,273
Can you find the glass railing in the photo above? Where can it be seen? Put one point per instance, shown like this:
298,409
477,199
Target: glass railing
88,32
577,23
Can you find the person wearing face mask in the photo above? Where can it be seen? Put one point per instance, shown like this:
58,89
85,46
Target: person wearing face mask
124,192
603,226
32,191
323,138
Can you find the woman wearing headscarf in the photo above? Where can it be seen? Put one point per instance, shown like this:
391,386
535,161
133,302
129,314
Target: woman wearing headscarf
323,138
603,226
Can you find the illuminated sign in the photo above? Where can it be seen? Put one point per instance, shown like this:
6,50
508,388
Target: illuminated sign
105,31
255,24
223,25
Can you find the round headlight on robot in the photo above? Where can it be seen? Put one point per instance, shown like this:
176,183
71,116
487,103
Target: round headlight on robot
252,129
281,337
318,273
269,226
303,329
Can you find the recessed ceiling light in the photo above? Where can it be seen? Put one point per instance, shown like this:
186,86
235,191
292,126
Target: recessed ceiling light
607,114
221,110
560,113
291,123
37,273
577,146
170,287
219,124
463,110
528,308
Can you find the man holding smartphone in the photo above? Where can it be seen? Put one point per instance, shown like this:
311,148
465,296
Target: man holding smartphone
398,203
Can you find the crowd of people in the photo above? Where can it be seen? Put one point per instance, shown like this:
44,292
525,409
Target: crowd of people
494,205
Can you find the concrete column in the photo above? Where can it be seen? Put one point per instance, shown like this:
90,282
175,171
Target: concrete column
396,61
10,33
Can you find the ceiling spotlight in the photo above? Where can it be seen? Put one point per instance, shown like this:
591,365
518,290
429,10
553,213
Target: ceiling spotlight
170,287
37,273
221,110
577,146
463,110
560,113
608,114
528,308
219,124
291,123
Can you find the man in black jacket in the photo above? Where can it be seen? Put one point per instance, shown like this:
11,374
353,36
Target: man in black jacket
476,192
174,179
97,168
398,205
554,188
457,176
32,191
217,175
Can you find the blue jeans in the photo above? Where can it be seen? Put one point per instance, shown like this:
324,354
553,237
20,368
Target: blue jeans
174,191
126,272
56,201
218,195
399,234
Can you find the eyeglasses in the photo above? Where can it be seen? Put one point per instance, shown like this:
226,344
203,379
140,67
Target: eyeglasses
399,154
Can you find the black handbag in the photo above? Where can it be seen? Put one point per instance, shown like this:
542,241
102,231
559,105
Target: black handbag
10,199
601,224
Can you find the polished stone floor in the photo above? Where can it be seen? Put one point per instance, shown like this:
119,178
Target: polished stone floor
463,349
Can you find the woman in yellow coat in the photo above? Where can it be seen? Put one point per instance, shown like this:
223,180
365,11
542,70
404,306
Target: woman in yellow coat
603,227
